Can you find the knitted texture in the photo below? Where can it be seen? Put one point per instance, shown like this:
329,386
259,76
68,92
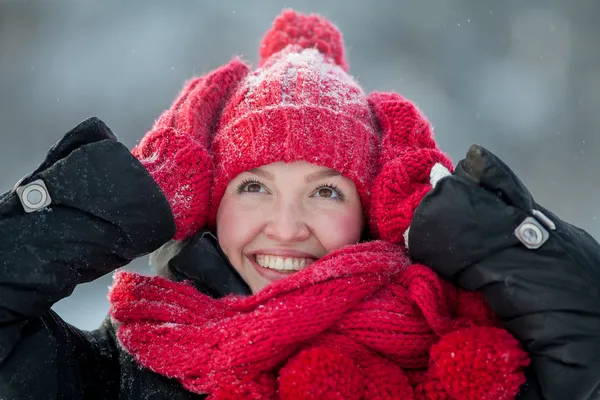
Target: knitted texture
360,323
306,31
175,150
411,164
299,105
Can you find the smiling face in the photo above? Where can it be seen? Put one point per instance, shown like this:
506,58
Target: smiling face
277,219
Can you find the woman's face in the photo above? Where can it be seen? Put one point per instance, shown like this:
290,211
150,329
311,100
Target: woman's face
278,219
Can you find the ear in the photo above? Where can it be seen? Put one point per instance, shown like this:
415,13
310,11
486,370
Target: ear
410,165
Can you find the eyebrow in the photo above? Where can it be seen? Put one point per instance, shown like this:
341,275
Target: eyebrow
321,175
315,176
264,174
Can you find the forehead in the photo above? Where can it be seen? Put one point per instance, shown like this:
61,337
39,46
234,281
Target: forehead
297,168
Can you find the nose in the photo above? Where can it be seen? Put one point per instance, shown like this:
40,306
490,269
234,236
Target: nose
287,223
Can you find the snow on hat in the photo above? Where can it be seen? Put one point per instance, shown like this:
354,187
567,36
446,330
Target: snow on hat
300,104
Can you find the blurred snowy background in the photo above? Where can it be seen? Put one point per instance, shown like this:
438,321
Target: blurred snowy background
519,77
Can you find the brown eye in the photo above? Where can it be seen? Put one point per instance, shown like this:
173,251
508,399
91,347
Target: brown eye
328,192
253,188
325,192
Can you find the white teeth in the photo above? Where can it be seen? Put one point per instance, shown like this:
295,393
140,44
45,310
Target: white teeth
279,263
282,263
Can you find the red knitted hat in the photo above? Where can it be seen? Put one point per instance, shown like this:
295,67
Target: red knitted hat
300,104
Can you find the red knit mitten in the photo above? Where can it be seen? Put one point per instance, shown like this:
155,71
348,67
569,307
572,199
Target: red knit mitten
411,164
175,150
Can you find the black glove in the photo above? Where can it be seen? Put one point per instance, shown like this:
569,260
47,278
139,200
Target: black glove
481,229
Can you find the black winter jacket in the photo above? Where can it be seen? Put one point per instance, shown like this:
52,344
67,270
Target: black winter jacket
97,221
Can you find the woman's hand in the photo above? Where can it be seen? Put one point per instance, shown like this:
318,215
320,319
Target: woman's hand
482,229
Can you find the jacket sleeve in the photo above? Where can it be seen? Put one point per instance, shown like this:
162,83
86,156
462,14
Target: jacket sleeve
482,229
105,210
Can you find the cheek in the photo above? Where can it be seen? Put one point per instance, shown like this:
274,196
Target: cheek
337,229
237,225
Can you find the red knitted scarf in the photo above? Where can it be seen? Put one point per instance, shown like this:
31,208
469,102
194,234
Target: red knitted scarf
361,323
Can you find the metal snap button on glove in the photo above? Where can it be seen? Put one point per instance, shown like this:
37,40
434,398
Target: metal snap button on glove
531,233
34,196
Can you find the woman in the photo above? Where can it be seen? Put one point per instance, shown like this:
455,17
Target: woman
265,192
